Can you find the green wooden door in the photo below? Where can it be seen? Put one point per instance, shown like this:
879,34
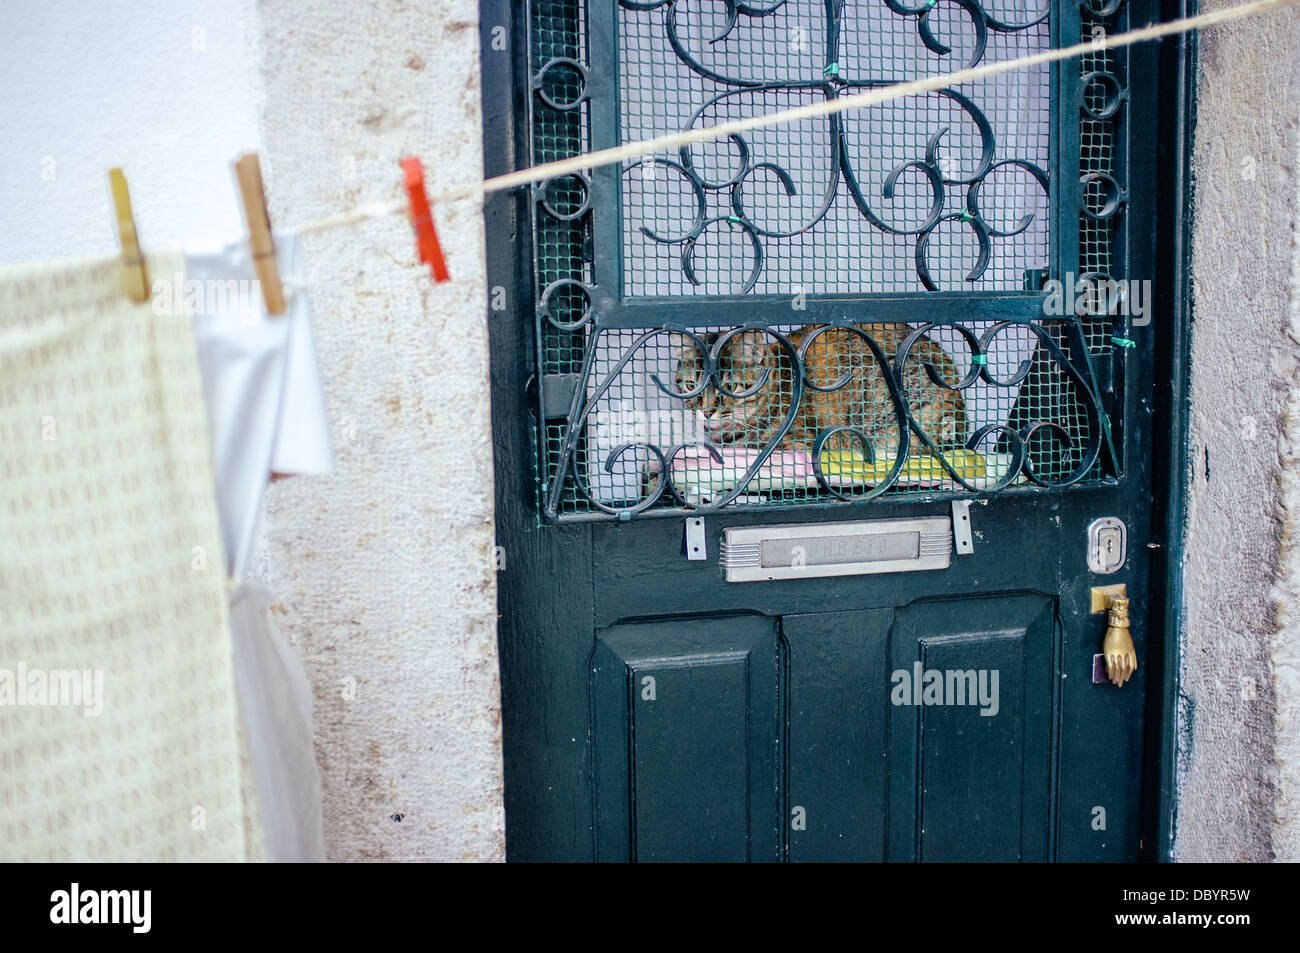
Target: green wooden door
655,710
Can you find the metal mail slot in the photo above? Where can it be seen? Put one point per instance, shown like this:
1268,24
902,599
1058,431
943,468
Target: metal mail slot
808,550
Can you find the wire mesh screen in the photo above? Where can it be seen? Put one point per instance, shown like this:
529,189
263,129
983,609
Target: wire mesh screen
1103,87
562,264
939,191
947,191
746,415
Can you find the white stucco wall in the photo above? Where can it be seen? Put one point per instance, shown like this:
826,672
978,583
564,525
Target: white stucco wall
170,90
384,569
1240,762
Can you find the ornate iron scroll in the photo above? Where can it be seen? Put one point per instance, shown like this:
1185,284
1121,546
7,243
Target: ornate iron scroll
1049,431
760,197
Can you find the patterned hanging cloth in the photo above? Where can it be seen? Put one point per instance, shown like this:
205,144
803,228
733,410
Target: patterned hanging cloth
120,733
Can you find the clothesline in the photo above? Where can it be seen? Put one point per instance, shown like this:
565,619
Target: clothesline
835,105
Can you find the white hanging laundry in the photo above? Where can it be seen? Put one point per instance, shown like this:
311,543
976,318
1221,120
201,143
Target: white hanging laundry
267,415
276,703
261,382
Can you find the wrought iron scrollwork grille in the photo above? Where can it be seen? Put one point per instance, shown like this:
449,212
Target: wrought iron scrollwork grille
768,319
942,191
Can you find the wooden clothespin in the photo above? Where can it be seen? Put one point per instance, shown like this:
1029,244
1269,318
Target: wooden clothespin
135,278
426,238
249,173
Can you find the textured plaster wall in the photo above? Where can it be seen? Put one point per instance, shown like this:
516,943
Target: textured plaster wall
1241,669
1285,642
386,570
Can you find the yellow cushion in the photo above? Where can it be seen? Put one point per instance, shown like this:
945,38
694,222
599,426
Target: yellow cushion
849,466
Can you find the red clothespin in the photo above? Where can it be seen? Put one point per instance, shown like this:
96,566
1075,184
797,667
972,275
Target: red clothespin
426,238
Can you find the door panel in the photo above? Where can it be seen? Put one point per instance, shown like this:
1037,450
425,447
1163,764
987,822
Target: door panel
970,777
686,734
839,727
1020,543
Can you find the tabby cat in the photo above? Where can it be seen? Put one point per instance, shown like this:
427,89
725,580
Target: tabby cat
863,403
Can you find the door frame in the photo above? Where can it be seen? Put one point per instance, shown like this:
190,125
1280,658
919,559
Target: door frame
1176,125
507,214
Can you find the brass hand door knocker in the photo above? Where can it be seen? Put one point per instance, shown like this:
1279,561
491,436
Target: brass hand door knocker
1117,646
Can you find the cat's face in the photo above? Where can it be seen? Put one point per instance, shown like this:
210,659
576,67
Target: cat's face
740,366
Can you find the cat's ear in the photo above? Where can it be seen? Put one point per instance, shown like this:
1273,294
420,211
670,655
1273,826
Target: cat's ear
751,345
